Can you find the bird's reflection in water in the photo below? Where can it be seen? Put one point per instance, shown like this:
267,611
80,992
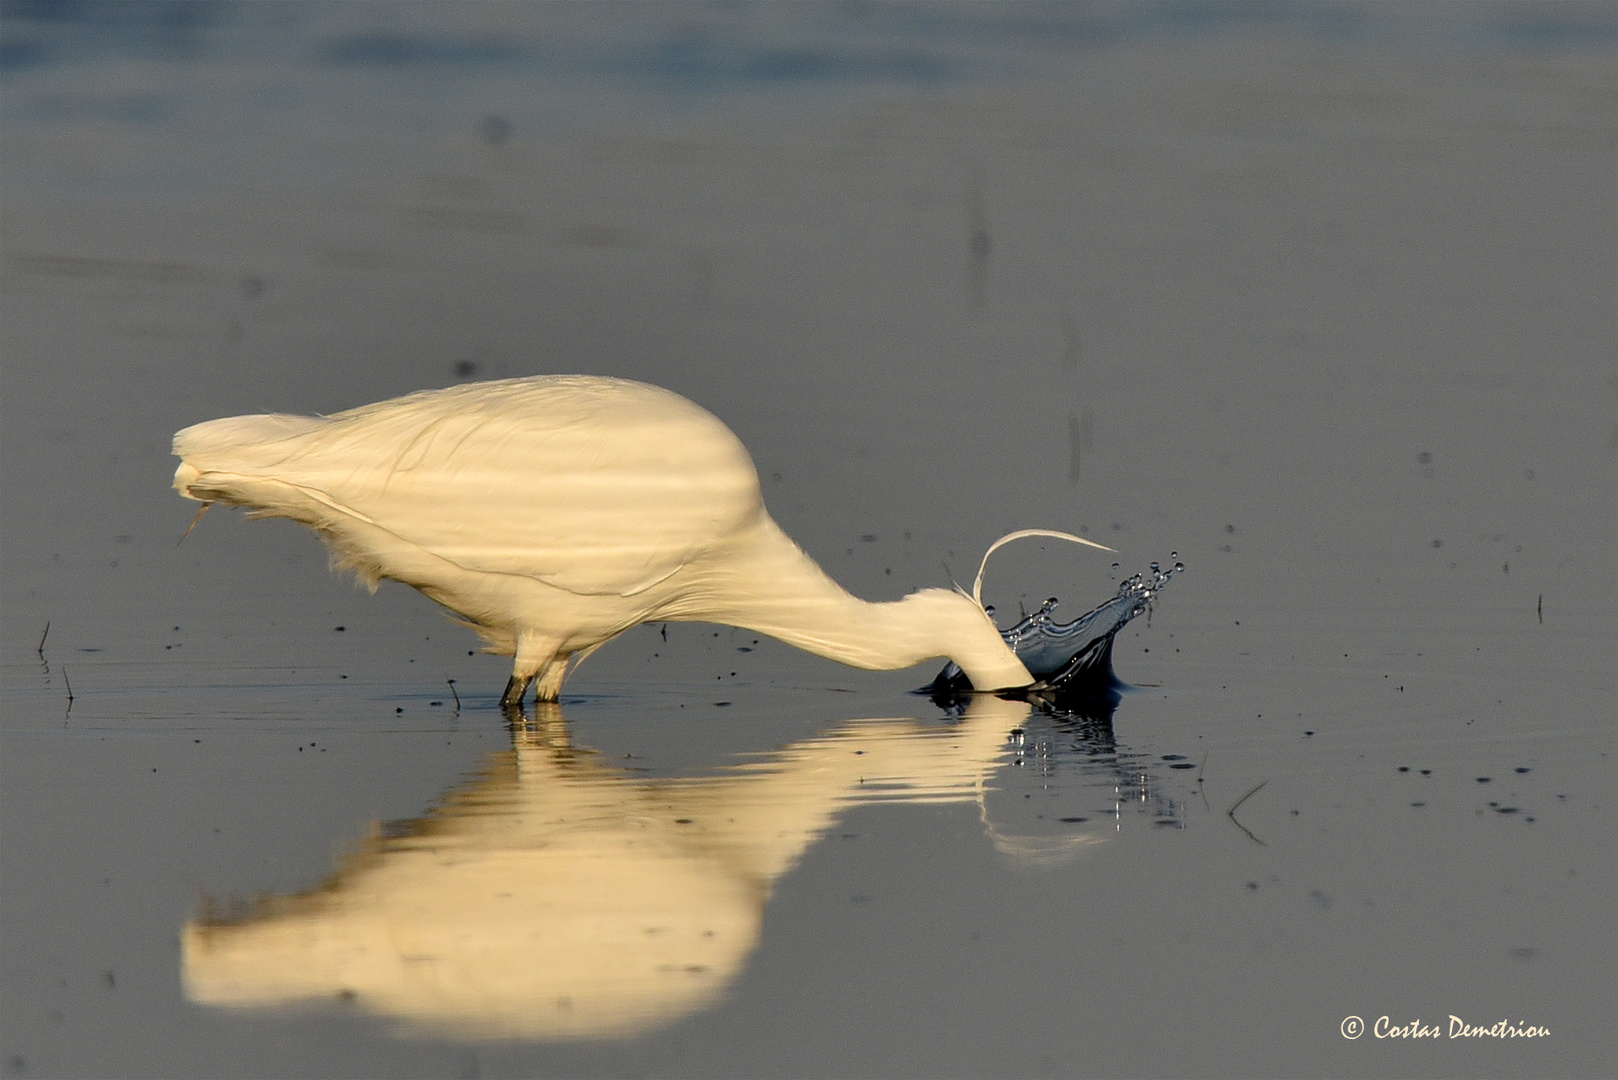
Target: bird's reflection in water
556,896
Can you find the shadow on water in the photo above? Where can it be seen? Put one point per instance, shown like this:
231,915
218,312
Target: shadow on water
560,895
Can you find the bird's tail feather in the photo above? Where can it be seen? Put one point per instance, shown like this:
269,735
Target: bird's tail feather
238,444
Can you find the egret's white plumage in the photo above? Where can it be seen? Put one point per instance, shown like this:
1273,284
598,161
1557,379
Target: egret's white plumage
552,513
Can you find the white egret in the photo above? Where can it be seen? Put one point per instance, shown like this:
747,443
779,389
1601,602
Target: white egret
552,513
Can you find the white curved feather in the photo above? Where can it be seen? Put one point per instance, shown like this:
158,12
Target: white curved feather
977,584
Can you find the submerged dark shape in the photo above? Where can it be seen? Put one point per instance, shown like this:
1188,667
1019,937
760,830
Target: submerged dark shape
1069,661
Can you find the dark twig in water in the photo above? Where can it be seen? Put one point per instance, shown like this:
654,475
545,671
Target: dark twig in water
42,637
69,689
1540,608
980,245
1231,813
452,692
1200,788
1075,448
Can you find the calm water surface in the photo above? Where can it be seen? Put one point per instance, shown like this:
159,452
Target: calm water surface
1319,298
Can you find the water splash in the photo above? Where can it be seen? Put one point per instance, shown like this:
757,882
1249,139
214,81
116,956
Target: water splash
1071,659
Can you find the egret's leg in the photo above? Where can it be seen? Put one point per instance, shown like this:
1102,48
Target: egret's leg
515,689
535,654
549,684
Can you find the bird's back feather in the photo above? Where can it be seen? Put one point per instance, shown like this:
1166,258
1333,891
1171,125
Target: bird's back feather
594,485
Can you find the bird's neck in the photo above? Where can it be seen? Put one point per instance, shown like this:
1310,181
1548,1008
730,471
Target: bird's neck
765,582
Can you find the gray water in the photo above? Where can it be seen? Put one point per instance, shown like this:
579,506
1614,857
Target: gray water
1318,297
